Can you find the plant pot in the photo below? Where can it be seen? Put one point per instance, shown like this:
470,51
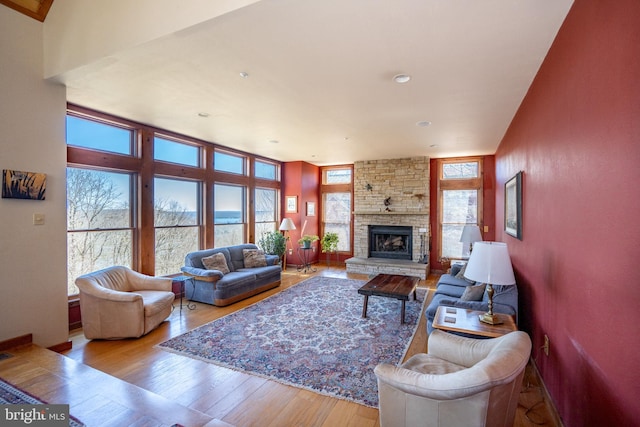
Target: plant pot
306,245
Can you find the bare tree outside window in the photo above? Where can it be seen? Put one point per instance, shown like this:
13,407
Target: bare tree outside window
98,222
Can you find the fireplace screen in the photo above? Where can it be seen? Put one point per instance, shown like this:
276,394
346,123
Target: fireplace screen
393,242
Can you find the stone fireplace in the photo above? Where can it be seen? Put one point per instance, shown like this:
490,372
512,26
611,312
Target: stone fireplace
391,193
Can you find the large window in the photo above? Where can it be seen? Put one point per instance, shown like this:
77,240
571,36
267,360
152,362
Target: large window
460,199
99,221
229,217
337,204
177,223
145,197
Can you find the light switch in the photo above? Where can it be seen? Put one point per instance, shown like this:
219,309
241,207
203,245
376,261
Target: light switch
486,228
38,219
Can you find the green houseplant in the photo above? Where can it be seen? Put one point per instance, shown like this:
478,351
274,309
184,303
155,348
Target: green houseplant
329,244
307,239
273,243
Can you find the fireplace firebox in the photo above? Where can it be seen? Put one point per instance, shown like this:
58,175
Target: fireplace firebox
391,241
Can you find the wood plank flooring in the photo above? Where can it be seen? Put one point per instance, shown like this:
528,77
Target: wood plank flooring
147,386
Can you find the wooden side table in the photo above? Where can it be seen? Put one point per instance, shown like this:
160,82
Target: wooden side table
467,321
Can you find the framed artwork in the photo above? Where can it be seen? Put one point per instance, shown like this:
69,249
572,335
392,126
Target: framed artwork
291,204
23,185
513,206
311,208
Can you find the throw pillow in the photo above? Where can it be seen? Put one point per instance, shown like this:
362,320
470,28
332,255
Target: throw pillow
254,258
460,274
473,293
216,262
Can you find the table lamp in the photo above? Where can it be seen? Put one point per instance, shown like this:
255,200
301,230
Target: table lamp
286,225
470,235
490,263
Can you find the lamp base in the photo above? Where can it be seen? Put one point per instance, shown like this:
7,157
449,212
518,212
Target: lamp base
489,318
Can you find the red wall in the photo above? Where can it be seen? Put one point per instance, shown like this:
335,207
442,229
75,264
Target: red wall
301,179
576,136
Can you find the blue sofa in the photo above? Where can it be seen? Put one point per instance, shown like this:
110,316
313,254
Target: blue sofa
218,288
449,290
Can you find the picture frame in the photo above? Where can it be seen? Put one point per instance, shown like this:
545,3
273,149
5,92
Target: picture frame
291,204
23,185
513,206
311,208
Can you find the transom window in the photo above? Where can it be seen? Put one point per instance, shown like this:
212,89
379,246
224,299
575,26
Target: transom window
99,136
225,162
175,152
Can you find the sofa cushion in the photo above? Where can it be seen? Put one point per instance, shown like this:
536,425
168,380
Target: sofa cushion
450,290
473,293
237,256
254,258
216,261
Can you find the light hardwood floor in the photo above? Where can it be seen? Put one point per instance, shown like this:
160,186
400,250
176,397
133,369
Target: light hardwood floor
146,386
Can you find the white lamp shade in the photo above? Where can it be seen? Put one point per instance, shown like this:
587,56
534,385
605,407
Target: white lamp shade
490,263
287,224
471,234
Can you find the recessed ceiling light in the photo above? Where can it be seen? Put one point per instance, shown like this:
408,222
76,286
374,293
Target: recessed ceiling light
401,78
203,114
423,123
244,75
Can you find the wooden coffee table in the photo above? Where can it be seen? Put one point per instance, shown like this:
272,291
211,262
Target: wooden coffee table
468,322
390,286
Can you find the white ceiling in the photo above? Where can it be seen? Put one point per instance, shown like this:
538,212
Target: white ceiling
320,77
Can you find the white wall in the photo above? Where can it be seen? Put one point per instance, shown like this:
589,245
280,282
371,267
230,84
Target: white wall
33,291
81,32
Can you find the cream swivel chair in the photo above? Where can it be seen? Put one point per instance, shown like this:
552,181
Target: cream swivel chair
118,302
459,382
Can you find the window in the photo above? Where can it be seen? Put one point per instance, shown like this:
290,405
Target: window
99,136
337,176
177,223
225,162
229,215
137,195
265,211
175,152
460,201
337,218
337,204
99,222
460,170
265,170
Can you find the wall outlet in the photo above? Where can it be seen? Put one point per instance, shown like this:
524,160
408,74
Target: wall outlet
545,346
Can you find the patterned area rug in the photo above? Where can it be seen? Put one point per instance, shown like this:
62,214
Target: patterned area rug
12,395
312,336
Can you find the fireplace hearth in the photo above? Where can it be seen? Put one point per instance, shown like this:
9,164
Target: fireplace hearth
391,242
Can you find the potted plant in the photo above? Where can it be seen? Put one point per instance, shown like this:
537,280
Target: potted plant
273,243
329,244
307,239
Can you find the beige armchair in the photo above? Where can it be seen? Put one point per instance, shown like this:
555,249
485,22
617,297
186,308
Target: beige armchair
118,302
460,382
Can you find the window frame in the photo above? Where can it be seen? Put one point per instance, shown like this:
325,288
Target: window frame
336,188
449,184
146,168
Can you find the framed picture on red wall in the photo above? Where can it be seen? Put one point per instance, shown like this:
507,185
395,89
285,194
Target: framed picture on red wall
513,206
291,205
